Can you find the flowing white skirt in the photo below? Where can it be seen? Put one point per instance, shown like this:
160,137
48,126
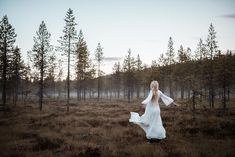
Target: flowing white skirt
150,122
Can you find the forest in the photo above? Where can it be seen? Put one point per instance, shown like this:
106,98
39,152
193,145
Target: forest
48,109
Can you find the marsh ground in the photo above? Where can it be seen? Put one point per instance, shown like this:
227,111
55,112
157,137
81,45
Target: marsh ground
102,129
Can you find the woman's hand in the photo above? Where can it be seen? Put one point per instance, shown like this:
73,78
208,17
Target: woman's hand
176,104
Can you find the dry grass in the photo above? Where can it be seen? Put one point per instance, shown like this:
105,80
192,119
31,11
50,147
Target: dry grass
102,129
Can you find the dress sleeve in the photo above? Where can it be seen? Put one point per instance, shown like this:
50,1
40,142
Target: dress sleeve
148,99
167,100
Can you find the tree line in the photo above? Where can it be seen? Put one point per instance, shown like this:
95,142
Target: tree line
205,75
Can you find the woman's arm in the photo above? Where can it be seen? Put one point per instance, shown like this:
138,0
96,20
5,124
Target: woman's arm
176,104
166,99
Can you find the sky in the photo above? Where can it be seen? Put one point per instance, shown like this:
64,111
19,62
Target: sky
144,26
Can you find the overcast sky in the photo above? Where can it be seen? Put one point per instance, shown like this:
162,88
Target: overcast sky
142,25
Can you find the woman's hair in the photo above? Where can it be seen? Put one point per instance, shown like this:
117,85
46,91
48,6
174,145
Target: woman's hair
154,87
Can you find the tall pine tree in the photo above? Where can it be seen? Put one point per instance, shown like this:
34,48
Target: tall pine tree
40,56
200,55
82,65
50,79
99,56
200,52
170,54
68,41
128,69
117,77
180,75
139,68
170,59
212,49
17,72
183,55
7,40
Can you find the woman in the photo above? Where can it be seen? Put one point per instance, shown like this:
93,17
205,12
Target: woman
151,120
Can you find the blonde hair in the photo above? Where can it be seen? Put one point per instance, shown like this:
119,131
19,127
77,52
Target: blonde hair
154,87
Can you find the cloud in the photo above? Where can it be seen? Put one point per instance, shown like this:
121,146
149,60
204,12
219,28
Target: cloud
232,16
112,59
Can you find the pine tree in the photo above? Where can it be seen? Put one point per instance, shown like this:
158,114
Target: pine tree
67,42
139,68
200,52
211,42
154,72
59,78
170,54
17,72
183,55
40,56
224,74
212,47
180,77
99,57
117,77
200,55
128,69
83,65
7,40
90,75
50,79
27,78
170,59
162,62
188,55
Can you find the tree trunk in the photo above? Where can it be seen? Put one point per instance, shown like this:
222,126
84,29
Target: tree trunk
212,97
68,78
90,92
194,102
98,89
118,92
171,91
16,91
228,94
129,95
182,92
211,92
41,83
224,95
41,91
84,93
77,93
4,73
138,91
188,93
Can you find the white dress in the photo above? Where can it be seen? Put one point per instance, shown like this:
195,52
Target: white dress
151,120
